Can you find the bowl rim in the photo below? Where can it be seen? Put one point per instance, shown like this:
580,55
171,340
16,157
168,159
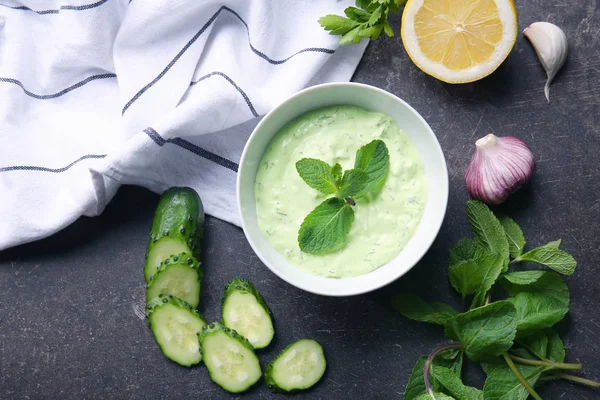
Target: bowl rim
391,277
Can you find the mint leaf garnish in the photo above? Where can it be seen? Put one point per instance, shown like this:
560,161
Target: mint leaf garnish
336,172
353,182
318,175
324,230
454,385
552,257
374,159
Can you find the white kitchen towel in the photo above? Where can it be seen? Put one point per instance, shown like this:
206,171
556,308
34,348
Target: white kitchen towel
150,92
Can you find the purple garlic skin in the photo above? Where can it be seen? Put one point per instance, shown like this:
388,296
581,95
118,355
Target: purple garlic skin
500,166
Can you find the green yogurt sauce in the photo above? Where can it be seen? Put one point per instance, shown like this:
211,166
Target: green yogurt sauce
382,225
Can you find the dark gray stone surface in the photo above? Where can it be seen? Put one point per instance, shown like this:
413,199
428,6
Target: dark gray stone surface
68,322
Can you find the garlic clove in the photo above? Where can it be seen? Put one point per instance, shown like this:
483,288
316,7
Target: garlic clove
551,46
499,166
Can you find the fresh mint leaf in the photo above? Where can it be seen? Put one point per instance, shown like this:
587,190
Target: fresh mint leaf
413,307
556,348
536,344
477,275
552,257
541,299
487,230
416,384
454,386
544,282
514,234
317,174
374,159
485,331
502,384
353,182
324,230
336,172
536,311
449,359
463,250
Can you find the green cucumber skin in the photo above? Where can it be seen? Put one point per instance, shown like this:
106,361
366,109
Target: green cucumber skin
216,327
180,216
270,382
244,285
164,299
178,259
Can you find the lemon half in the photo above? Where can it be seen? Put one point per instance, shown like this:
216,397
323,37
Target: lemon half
459,41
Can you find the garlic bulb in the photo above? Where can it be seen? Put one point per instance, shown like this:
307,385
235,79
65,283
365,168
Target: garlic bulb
550,44
500,165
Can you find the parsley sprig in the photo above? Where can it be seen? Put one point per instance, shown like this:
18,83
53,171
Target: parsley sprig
326,228
369,19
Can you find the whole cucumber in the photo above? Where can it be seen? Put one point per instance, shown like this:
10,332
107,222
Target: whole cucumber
178,227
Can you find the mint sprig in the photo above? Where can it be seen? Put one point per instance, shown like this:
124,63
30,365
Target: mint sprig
512,337
325,229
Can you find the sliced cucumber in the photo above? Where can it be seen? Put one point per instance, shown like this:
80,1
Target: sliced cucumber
229,358
299,366
179,276
175,326
245,311
178,227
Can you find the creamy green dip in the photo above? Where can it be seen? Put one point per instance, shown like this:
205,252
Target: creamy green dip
382,225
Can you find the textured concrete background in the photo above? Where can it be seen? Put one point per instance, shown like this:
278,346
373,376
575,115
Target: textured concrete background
68,322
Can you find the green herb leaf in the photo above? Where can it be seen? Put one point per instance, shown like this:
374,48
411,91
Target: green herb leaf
541,299
450,359
318,175
463,250
416,384
514,234
545,282
476,275
536,344
336,172
337,25
374,159
324,230
552,257
556,348
413,307
487,230
502,384
536,311
353,182
453,385
485,331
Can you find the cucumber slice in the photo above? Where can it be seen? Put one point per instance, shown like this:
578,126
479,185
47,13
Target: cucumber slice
175,326
245,311
299,366
179,276
178,227
229,358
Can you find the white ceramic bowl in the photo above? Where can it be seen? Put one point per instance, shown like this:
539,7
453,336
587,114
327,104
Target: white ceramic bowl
369,98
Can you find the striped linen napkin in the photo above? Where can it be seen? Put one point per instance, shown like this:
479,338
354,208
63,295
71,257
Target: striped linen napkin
156,93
